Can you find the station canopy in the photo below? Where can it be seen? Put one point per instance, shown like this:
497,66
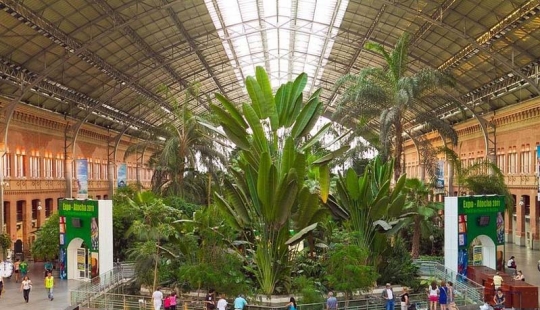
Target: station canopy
107,62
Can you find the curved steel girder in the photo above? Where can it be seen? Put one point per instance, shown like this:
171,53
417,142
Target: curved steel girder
76,49
471,41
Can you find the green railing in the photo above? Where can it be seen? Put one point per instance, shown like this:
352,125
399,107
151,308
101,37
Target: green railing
467,291
102,284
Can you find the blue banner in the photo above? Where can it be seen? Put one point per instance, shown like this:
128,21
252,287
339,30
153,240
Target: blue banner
122,175
82,178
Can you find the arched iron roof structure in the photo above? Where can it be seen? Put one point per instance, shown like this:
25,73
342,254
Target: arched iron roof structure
103,61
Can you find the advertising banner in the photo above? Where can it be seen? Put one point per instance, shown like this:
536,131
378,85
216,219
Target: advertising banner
82,178
122,175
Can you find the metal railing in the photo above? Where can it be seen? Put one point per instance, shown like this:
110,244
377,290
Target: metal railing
467,291
101,284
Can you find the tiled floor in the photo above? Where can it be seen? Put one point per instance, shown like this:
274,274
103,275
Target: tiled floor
12,298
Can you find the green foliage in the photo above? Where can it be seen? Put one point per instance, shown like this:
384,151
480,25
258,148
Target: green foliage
368,204
266,190
223,273
308,291
5,243
181,204
390,93
346,270
398,267
123,216
47,246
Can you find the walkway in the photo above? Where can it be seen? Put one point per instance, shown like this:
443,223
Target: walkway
12,299
526,261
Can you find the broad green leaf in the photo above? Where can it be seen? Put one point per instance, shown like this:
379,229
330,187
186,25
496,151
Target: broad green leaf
286,197
281,100
336,209
259,137
264,182
228,121
299,236
267,106
324,182
353,188
233,111
316,137
223,205
240,141
256,96
332,155
288,156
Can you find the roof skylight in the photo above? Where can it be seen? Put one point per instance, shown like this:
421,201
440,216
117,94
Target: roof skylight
286,37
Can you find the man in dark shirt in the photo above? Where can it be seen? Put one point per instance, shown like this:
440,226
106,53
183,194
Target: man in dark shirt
209,300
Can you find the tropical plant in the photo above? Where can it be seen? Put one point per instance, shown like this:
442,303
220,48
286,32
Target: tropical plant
419,211
180,150
151,230
5,243
398,268
346,269
369,205
46,245
390,94
273,135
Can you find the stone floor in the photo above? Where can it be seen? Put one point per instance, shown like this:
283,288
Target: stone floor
12,298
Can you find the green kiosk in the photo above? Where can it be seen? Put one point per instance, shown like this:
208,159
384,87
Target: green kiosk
474,225
86,238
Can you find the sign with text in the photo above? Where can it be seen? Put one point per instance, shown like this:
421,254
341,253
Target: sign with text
82,178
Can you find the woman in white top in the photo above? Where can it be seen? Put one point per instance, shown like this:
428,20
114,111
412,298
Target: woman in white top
26,285
433,295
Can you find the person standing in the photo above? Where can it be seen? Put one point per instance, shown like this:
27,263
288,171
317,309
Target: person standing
1,285
222,303
16,269
497,280
450,298
49,285
405,299
209,300
167,302
26,285
23,268
292,304
48,267
173,301
499,299
240,302
157,298
388,295
331,301
443,296
433,295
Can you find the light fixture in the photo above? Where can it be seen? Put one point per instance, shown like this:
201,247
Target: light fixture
39,205
521,202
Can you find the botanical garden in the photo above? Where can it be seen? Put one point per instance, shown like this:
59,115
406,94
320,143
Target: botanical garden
285,195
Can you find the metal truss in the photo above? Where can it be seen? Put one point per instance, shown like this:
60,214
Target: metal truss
17,76
158,59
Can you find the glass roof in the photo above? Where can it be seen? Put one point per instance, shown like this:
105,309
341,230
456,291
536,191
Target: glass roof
277,35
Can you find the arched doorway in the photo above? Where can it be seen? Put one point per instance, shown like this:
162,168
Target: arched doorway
77,260
484,252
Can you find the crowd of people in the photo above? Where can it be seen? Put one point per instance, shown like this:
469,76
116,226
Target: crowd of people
212,301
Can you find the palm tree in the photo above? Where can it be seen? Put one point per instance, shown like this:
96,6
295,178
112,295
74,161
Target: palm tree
419,211
153,226
392,94
180,150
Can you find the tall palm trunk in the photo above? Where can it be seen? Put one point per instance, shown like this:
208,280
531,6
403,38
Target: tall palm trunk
398,149
415,251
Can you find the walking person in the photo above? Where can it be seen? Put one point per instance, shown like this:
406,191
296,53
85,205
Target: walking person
497,280
388,295
450,298
240,302
26,286
157,298
16,270
405,299
499,299
23,267
292,304
331,301
49,285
